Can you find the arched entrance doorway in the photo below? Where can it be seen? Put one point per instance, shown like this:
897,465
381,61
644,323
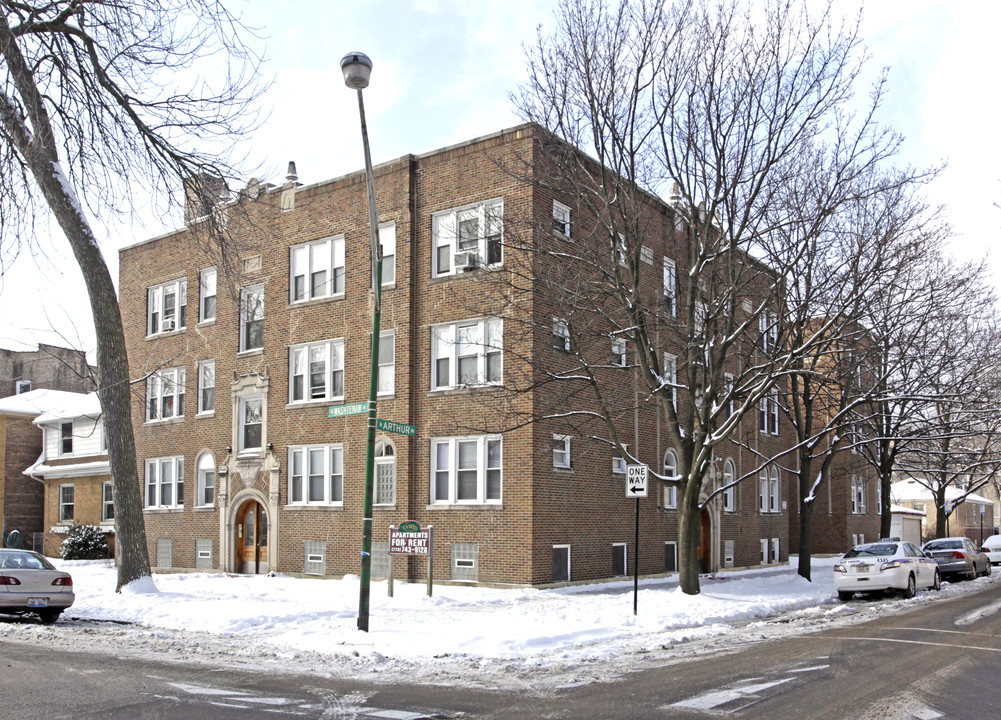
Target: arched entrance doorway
704,542
252,539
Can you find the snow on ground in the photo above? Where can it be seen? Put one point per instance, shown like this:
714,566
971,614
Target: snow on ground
313,622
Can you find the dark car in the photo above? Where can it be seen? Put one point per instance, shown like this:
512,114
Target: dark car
958,556
30,584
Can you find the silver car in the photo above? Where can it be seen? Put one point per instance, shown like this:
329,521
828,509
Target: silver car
30,584
958,556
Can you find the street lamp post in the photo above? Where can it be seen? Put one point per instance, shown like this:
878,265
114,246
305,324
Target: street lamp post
357,69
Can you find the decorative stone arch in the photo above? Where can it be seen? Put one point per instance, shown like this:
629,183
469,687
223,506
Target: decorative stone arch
231,520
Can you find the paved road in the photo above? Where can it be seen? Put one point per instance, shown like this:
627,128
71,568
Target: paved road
939,660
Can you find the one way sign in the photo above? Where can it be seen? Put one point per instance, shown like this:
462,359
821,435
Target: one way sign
636,481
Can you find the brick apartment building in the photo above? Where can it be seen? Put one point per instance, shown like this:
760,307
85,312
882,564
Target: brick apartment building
246,470
27,379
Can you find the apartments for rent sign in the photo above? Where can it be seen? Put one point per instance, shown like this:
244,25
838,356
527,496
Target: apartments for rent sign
410,539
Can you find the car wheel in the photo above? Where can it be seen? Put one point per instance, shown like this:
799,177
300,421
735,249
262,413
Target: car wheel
987,570
49,616
845,595
937,582
911,589
972,575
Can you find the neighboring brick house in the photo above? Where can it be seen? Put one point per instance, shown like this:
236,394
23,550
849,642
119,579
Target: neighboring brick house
33,380
972,515
74,469
247,465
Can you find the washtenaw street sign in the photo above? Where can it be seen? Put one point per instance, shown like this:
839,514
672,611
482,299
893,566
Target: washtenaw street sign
353,409
636,480
396,427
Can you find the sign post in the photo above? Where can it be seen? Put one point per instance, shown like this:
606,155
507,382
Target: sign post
636,487
411,539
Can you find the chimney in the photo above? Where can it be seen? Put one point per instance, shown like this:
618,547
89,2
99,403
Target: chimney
201,193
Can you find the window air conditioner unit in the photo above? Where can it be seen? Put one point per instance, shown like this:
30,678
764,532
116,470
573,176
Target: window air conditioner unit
168,324
466,261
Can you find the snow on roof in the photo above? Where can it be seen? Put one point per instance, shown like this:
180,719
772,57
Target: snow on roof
44,401
77,405
913,491
901,510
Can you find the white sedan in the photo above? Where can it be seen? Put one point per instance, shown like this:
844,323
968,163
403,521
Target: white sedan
885,565
992,546
29,584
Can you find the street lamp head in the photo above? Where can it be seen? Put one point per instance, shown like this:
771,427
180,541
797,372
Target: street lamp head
357,69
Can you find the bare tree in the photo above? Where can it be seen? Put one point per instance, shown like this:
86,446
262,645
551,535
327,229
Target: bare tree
725,113
100,99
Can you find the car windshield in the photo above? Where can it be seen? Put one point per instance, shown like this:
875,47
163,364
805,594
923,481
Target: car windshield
876,549
19,560
945,545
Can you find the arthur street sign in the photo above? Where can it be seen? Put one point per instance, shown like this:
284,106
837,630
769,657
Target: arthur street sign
395,427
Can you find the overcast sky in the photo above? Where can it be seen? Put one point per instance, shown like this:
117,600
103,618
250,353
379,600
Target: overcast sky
442,73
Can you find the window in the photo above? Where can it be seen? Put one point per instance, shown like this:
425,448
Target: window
764,551
316,371
166,307
620,250
317,269
775,550
561,451
316,475
774,502
561,335
858,496
467,354
207,287
165,394
66,438
727,396
466,470
763,490
730,490
387,362
387,243
108,502
619,353
385,473
22,386
252,318
670,288
65,503
671,377
561,563
251,418
165,482
619,461
206,480
670,556
467,237
768,413
620,559
879,497
768,325
670,471
561,218
206,387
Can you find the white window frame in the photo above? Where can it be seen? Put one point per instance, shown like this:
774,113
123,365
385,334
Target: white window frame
774,491
768,327
328,352
67,502
619,355
671,377
157,488
619,462
251,313
66,438
205,470
107,501
561,452
768,413
764,551
625,557
445,485
308,259
446,244
243,404
670,470
206,373
670,287
485,345
730,493
561,219
561,335
387,243
301,490
775,550
763,490
385,455
879,497
387,363
156,320
162,385
22,386
207,291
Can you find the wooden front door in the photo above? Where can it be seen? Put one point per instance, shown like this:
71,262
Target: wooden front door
704,541
252,539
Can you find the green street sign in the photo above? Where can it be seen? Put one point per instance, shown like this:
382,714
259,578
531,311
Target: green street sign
353,409
395,427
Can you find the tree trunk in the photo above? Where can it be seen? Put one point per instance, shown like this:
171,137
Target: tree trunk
689,532
805,533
